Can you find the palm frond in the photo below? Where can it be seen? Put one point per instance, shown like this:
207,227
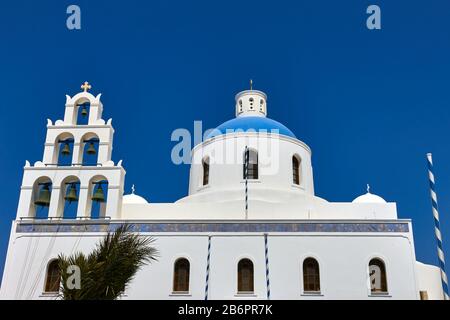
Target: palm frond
107,270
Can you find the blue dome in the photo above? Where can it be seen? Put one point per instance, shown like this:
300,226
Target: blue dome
253,124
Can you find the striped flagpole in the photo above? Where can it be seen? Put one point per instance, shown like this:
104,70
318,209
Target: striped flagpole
267,265
207,268
437,228
246,181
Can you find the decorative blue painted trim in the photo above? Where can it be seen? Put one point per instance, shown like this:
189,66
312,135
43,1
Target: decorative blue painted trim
402,227
266,254
208,259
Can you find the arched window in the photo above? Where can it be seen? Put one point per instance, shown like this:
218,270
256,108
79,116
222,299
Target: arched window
377,274
311,275
252,157
245,276
296,170
53,277
181,275
205,164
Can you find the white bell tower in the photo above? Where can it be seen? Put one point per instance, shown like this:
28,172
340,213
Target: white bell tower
76,165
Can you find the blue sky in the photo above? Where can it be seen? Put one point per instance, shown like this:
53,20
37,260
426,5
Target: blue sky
370,104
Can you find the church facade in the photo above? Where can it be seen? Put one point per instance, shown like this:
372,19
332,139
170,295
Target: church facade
251,226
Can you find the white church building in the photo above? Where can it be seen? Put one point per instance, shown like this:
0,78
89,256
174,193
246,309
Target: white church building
251,226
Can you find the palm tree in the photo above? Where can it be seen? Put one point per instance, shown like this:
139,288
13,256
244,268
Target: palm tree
106,271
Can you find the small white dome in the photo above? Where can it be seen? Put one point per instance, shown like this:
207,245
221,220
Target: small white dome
133,199
369,198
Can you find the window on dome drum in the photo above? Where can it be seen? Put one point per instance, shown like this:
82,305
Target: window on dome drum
296,170
53,277
252,157
205,164
311,275
245,276
181,276
377,274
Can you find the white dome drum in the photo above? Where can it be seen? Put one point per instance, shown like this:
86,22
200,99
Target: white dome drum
283,162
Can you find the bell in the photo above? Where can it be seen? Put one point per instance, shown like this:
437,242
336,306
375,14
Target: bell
98,195
72,194
91,149
66,150
43,200
84,111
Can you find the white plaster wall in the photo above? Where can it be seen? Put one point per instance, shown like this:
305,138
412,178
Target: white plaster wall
226,252
24,273
343,260
155,281
429,280
300,208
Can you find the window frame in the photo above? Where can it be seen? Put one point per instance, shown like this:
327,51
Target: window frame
316,277
205,173
175,283
240,280
47,284
384,290
296,169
